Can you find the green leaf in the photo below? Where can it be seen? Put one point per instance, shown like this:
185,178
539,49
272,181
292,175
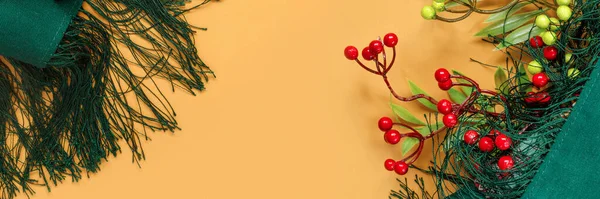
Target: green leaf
415,90
466,89
511,23
523,78
520,35
503,15
410,143
500,78
405,115
456,96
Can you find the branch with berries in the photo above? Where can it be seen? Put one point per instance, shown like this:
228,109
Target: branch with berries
491,142
470,107
514,22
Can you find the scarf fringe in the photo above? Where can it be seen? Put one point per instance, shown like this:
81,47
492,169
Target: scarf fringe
64,120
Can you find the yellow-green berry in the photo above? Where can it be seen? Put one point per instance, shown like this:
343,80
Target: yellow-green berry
542,21
554,23
439,1
564,12
439,7
563,2
573,72
428,12
534,67
568,57
549,38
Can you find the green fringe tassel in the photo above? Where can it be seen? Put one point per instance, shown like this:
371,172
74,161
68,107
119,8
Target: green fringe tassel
64,120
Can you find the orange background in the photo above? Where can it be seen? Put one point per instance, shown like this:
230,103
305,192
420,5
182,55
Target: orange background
288,116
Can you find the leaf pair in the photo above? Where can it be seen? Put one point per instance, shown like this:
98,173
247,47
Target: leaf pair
403,114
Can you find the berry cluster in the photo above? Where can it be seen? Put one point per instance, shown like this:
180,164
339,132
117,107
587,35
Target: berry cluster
493,140
546,41
375,52
392,136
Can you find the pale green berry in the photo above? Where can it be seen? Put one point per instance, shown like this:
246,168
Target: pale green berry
542,21
428,12
439,7
542,34
554,23
568,57
573,72
549,38
439,1
534,67
564,12
563,2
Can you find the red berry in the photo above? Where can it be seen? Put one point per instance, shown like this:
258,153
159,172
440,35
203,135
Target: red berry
506,162
445,85
486,144
389,164
550,53
539,80
471,137
392,136
390,40
494,132
442,75
401,168
450,120
351,52
367,55
542,97
385,124
531,98
536,42
376,47
444,106
503,142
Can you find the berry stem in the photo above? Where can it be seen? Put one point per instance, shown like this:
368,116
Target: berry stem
367,68
406,99
415,154
393,60
472,7
434,133
384,60
474,84
452,20
415,134
456,11
378,65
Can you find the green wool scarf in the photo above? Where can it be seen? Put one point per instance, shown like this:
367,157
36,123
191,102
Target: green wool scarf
77,83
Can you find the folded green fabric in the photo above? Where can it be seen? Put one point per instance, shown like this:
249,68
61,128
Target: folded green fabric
31,30
570,168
